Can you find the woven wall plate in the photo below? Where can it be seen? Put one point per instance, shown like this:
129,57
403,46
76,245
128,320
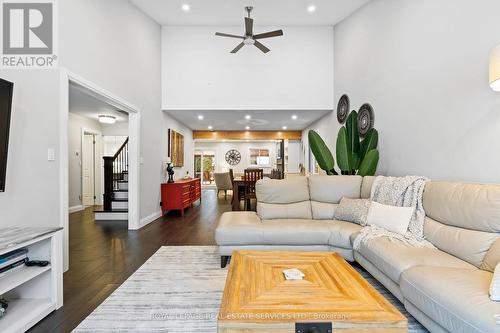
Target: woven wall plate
343,109
366,119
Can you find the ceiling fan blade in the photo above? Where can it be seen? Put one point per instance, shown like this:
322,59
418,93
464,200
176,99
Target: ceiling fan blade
275,33
237,48
228,35
248,26
261,47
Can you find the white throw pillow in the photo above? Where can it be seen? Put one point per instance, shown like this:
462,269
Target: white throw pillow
495,285
392,218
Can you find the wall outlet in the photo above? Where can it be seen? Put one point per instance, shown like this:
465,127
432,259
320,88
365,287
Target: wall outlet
51,154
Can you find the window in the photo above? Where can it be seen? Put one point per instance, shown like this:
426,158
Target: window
260,157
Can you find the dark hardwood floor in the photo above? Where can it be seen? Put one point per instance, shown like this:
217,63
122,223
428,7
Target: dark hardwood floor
104,254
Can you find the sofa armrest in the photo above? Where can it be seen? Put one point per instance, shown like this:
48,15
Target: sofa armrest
239,228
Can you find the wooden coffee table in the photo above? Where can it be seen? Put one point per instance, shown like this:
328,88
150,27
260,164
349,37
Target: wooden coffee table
333,296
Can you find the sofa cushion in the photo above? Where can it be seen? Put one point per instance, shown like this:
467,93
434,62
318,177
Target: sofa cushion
331,189
323,210
283,199
341,233
353,210
457,299
393,257
287,191
492,257
392,218
468,245
235,228
469,206
296,210
296,232
366,187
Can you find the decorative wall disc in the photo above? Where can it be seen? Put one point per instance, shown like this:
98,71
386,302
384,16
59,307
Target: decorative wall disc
366,119
233,157
343,109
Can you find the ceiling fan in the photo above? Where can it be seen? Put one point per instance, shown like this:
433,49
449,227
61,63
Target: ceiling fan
250,38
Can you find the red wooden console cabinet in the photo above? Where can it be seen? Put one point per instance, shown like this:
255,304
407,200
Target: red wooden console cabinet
180,195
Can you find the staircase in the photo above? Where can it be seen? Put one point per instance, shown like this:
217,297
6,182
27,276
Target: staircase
115,207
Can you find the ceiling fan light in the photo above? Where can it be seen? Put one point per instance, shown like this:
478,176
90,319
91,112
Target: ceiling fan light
249,41
107,119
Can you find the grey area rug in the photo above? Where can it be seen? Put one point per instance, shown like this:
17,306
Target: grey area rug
179,289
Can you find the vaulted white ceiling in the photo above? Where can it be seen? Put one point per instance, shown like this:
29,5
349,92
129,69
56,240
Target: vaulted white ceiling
265,13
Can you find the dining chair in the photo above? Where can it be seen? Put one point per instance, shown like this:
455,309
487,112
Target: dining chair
276,174
223,182
251,177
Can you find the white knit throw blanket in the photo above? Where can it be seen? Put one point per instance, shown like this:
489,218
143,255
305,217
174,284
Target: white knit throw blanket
402,192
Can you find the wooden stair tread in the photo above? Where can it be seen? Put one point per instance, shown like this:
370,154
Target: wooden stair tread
112,211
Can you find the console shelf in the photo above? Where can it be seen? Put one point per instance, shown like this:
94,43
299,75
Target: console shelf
24,313
31,292
21,275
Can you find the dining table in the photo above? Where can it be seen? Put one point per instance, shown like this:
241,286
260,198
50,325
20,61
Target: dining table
238,187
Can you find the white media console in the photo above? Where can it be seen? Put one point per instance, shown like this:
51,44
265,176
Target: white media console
32,292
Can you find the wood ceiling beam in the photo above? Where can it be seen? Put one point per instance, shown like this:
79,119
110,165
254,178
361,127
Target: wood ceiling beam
247,135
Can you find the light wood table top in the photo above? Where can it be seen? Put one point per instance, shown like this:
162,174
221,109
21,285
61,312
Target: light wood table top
257,298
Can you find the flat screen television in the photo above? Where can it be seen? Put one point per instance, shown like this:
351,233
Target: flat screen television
6,89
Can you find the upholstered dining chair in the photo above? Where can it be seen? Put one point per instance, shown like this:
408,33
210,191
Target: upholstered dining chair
223,182
251,177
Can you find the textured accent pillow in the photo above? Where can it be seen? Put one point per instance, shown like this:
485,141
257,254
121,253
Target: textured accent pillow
492,257
495,285
352,210
392,218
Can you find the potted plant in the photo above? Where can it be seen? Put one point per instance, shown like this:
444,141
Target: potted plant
354,157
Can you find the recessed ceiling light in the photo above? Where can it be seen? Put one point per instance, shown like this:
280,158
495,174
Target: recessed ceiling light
284,127
247,127
185,7
294,117
311,8
200,117
106,119
210,127
248,117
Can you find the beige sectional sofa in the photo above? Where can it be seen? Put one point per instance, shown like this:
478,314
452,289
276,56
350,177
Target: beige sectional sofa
446,288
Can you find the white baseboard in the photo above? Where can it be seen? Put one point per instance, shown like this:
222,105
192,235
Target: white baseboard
75,209
150,218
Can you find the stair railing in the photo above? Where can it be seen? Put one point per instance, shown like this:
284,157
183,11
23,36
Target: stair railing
115,167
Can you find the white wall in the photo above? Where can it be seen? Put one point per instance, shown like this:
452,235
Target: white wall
221,148
328,128
117,47
423,65
111,144
171,123
116,129
113,45
198,72
31,196
294,156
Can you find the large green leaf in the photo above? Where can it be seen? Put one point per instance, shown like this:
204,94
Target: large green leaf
369,164
369,142
321,153
353,138
344,153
